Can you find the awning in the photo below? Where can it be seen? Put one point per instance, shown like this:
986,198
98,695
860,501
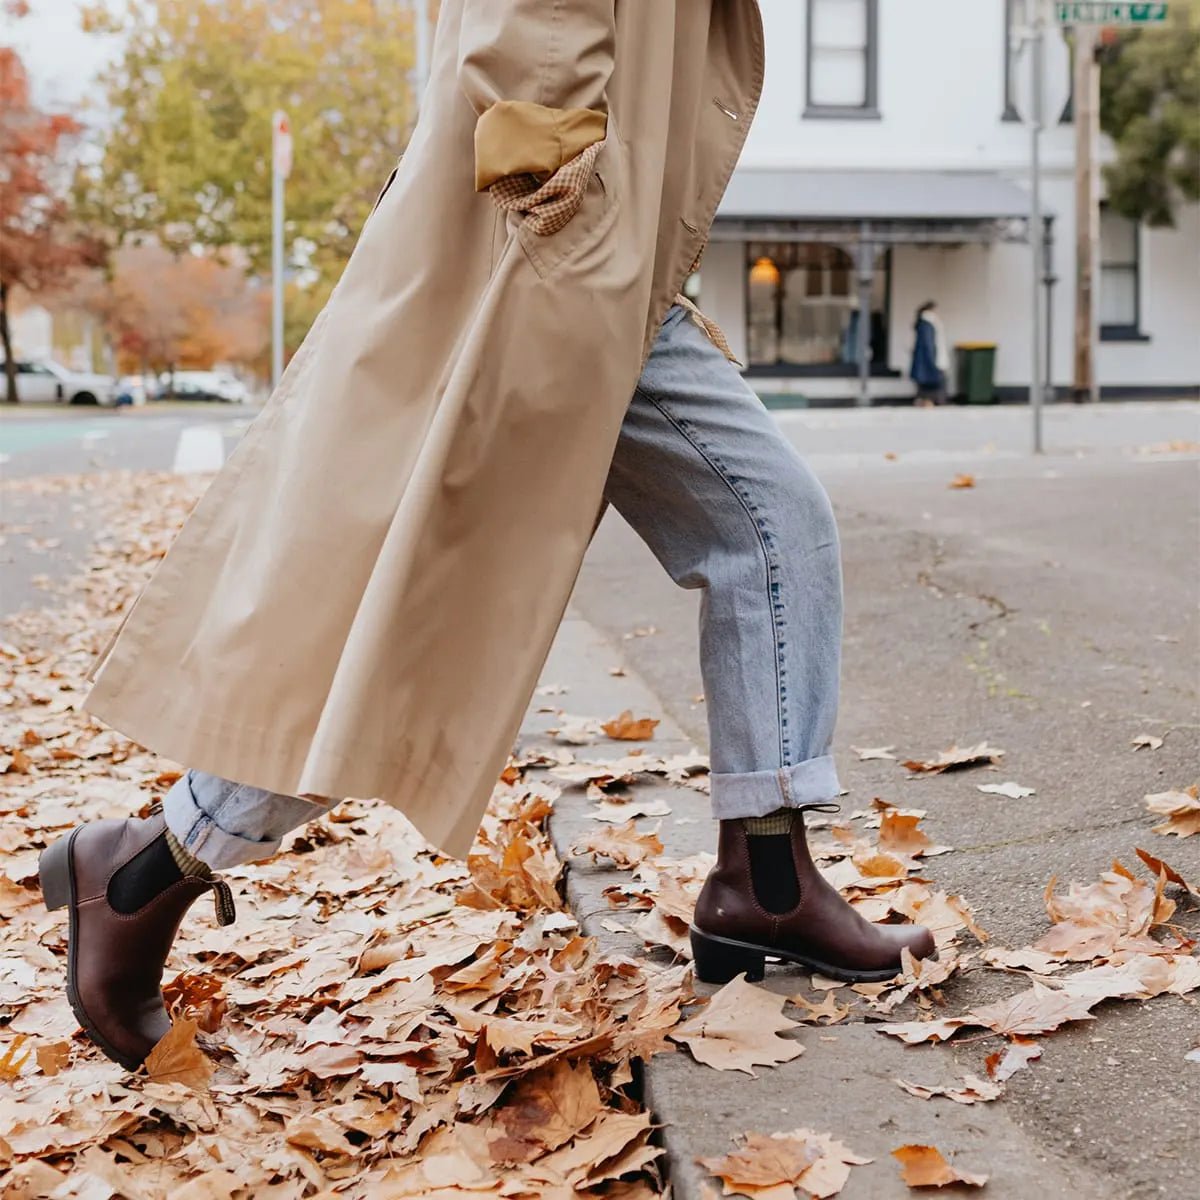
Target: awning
786,204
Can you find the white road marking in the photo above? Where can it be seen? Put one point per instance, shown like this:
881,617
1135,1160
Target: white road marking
201,448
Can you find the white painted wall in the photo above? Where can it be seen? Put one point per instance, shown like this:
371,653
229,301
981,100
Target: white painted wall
941,99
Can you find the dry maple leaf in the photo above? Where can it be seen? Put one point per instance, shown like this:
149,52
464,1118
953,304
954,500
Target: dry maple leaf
871,753
10,1063
767,1166
177,1059
898,834
955,759
628,728
623,844
545,1109
738,1030
1014,791
962,480
924,1166
1037,1010
1181,808
973,1090
828,1012
1016,1056
1161,868
1147,741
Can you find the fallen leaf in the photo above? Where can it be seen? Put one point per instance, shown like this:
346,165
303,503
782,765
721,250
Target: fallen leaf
828,1012
955,759
973,1090
738,1030
1161,868
1014,791
53,1056
623,844
628,728
176,1058
962,480
10,1063
766,1165
1017,1055
545,1109
924,1166
1147,740
1181,808
874,752
899,834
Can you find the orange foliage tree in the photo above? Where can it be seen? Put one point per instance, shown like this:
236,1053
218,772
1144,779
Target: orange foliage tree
39,243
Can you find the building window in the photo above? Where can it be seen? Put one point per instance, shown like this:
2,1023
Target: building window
1012,14
842,58
1120,277
802,306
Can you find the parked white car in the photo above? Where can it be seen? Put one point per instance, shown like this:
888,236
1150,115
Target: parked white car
50,382
202,385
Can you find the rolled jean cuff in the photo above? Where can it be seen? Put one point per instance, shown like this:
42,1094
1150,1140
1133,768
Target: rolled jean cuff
757,793
234,825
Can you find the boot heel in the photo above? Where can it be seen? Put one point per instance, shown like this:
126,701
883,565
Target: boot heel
718,961
54,873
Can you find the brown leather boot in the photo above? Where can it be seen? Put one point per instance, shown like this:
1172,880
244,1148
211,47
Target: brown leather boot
733,932
126,898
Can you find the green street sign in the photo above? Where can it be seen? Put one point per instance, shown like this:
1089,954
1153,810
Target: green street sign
1101,12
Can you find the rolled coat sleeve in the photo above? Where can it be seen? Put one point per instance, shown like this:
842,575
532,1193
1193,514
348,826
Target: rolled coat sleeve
536,72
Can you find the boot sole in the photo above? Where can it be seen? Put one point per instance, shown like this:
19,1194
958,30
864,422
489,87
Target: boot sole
720,959
57,878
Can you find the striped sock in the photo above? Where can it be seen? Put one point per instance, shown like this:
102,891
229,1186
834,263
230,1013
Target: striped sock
187,863
773,824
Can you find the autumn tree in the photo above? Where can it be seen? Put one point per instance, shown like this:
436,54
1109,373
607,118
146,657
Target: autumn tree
187,157
166,310
39,242
1150,106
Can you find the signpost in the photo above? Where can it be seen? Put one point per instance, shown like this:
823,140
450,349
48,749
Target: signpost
1101,12
281,168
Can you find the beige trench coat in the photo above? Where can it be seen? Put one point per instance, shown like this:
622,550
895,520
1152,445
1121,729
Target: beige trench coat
363,600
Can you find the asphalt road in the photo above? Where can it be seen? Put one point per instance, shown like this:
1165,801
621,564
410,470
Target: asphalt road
1051,609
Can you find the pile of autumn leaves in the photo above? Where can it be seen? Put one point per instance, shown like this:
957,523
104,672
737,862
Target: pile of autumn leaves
381,1022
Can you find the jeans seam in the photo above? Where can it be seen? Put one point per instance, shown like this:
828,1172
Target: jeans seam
772,581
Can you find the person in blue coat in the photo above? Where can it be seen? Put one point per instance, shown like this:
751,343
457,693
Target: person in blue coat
930,357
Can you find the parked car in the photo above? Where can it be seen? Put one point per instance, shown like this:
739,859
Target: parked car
50,382
202,385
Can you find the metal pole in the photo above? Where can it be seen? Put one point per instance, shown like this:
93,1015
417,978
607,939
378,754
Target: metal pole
865,262
421,17
1049,279
276,275
1036,118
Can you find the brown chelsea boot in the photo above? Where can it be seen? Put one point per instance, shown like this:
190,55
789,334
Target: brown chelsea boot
733,932
126,899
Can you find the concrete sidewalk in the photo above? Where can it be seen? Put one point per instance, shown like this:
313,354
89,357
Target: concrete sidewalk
970,616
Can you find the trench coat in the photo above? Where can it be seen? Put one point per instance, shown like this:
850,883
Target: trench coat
361,603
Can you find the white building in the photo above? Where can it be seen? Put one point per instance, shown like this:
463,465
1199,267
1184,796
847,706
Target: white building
889,144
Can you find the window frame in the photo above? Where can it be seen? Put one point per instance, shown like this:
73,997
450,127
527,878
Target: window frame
1125,331
1011,112
869,109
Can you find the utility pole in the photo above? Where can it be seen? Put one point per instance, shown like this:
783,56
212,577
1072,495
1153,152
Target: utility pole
1087,209
281,168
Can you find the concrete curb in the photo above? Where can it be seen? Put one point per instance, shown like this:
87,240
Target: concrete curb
845,1082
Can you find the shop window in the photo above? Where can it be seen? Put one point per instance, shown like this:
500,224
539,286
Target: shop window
842,55
802,308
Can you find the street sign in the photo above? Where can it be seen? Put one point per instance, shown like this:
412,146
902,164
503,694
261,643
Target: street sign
281,145
1101,12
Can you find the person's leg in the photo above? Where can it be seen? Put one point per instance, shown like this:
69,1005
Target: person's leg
726,504
128,884
225,824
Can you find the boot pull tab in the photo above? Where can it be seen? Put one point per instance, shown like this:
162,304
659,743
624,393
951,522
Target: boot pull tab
223,901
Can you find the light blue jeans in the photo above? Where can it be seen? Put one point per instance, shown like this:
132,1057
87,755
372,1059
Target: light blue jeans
705,477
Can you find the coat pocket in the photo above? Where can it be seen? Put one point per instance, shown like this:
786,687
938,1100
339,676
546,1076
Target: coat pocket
595,216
